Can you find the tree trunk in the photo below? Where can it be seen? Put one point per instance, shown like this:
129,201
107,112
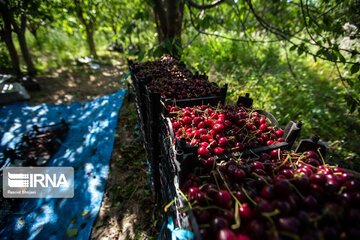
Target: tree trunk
20,31
6,35
169,24
89,29
26,54
90,40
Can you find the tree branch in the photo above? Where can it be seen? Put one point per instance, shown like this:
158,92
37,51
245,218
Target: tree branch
346,89
287,36
221,36
203,7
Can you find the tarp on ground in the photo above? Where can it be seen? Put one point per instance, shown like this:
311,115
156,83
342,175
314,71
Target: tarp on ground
87,149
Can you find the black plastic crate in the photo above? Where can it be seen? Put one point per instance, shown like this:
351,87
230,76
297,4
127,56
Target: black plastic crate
184,218
291,132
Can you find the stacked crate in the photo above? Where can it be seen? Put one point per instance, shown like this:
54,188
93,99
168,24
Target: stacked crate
171,159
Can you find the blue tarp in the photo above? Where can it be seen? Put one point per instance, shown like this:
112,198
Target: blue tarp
87,148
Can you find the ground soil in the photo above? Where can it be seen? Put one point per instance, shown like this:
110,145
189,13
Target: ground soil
127,210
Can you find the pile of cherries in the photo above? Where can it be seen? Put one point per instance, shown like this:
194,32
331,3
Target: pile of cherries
281,195
173,81
224,130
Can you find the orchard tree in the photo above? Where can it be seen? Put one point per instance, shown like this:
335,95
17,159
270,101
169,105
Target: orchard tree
6,36
14,16
87,12
327,30
168,17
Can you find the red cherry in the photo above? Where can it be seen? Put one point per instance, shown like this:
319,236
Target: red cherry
279,132
193,191
201,125
205,138
203,152
275,153
223,198
176,126
242,237
223,142
187,120
208,123
219,151
245,212
262,120
218,127
226,234
263,127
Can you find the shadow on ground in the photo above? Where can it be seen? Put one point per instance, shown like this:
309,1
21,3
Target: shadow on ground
127,210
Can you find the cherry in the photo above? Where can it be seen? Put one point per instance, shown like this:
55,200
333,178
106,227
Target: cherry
312,154
267,191
218,127
239,174
205,138
257,165
240,196
229,215
204,144
201,198
223,198
245,212
203,152
256,229
262,120
202,216
223,142
279,132
219,223
226,234
318,178
274,153
201,125
283,188
193,191
242,237
289,224
187,120
263,127
219,151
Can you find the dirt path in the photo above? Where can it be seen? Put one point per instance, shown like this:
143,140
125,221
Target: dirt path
127,210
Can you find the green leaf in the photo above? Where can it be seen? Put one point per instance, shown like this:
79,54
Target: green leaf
300,51
72,232
141,55
341,57
85,212
355,68
293,48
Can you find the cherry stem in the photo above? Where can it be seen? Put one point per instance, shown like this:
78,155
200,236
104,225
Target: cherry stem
322,159
236,200
184,196
212,207
169,204
217,184
236,217
262,178
297,191
247,195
